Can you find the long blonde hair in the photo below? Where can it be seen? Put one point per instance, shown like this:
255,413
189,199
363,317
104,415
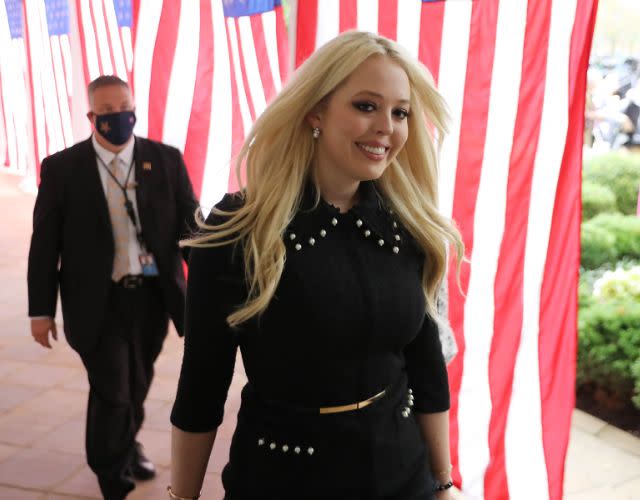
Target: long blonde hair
279,152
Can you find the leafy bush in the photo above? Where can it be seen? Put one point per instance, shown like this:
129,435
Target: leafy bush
625,229
635,371
598,246
585,297
609,346
597,199
620,172
621,284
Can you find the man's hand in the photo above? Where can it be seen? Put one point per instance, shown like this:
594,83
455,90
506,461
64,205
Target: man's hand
40,329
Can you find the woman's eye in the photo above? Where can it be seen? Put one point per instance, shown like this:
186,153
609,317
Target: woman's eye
365,106
401,113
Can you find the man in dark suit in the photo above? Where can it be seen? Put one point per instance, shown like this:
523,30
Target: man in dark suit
107,221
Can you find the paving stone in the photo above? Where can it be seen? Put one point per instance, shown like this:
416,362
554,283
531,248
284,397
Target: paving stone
604,493
13,395
587,423
163,389
83,483
620,439
628,489
157,445
592,464
29,351
68,437
57,401
43,375
62,354
154,489
6,451
52,496
38,469
19,494
80,384
212,487
157,415
22,427
9,368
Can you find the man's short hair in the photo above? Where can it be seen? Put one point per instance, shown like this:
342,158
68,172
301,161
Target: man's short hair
104,81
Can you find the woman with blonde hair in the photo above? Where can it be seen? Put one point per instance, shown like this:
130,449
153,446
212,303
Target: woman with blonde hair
324,271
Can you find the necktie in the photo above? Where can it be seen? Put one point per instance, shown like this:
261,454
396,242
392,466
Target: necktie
119,221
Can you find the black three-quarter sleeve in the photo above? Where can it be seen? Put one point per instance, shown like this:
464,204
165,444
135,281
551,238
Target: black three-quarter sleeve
214,290
426,370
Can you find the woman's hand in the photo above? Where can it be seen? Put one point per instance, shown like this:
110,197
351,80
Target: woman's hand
444,495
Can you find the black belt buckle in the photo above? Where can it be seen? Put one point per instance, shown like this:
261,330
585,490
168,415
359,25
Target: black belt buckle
131,281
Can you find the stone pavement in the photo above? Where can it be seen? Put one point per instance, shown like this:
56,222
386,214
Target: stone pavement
43,397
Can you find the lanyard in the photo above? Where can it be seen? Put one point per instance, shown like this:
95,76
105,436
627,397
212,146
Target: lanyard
127,202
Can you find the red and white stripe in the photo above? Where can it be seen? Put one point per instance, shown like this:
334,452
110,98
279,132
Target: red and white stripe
513,74
50,69
106,48
201,80
14,148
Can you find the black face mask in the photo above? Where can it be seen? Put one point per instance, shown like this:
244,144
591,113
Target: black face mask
116,128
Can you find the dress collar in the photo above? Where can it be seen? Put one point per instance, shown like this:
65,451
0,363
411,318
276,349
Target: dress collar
371,216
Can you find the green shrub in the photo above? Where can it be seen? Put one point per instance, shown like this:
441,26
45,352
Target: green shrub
585,297
635,371
597,199
621,284
625,229
620,172
609,346
597,246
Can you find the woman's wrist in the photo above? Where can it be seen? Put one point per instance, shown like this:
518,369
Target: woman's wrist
443,475
174,496
443,486
443,479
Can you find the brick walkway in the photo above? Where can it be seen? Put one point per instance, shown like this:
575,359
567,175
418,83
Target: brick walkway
43,397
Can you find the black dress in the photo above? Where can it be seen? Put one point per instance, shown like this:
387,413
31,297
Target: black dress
346,322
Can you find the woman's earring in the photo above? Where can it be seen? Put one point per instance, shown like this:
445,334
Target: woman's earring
316,132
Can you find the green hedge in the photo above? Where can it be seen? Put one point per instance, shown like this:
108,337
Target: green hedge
597,199
620,172
609,348
598,246
625,229
635,372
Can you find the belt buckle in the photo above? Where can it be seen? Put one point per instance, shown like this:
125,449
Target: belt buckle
130,282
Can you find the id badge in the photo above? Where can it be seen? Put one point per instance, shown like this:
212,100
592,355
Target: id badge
148,263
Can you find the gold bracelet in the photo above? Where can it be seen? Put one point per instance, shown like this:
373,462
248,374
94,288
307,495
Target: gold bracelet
173,496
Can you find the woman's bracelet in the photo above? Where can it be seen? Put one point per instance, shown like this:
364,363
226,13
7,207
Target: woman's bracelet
441,487
173,496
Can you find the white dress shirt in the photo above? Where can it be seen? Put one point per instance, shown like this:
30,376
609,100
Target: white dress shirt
125,158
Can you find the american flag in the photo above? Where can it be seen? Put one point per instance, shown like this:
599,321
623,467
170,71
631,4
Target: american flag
105,35
51,70
513,73
203,72
14,146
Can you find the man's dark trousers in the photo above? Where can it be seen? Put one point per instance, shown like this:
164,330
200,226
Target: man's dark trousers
120,370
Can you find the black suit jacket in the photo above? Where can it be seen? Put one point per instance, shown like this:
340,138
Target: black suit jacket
72,243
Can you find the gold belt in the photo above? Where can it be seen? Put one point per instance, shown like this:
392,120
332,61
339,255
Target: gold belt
353,406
